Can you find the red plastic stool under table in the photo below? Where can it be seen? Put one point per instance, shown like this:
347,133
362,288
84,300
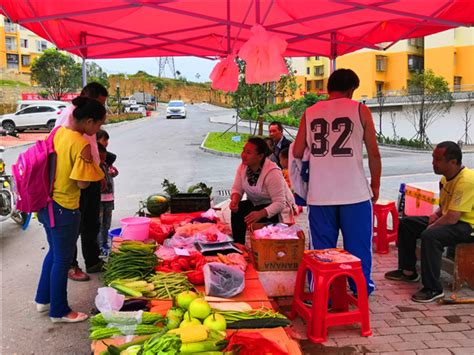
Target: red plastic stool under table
382,235
330,269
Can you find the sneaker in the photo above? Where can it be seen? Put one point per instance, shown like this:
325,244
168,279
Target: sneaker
95,268
76,274
426,295
42,308
398,275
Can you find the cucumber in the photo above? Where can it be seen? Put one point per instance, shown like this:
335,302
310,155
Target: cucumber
127,291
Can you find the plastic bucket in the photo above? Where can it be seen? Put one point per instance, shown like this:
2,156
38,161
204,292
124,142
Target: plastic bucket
115,233
135,228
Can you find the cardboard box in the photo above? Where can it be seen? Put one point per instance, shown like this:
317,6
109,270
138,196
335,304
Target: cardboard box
277,254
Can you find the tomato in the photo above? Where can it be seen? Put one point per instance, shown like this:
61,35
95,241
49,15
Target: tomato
184,264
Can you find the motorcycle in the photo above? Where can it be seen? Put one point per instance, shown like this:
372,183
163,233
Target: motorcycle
7,193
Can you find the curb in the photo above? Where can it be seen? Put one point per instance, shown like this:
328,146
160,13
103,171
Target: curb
216,152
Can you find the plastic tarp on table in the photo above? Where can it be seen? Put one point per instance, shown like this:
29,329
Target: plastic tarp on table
214,28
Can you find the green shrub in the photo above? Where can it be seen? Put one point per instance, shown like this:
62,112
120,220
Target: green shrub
299,106
412,143
122,117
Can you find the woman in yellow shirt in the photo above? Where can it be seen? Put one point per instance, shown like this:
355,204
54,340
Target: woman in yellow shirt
75,169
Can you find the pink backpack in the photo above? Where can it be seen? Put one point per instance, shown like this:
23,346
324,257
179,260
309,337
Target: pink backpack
34,174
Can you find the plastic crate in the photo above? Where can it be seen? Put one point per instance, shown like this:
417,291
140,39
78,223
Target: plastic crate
189,202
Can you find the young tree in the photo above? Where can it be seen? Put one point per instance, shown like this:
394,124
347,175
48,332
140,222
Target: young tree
468,106
257,96
57,73
429,99
381,98
96,74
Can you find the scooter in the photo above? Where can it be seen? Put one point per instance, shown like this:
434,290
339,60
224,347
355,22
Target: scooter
7,193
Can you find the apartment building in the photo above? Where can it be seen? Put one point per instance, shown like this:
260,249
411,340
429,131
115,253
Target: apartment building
449,54
18,47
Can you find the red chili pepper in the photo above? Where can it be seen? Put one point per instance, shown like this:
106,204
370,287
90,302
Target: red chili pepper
175,266
196,277
163,269
184,264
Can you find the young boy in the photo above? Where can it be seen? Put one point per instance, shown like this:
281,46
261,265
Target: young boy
106,200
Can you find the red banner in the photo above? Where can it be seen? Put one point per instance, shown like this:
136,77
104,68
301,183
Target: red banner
34,96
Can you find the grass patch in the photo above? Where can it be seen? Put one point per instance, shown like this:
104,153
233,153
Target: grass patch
12,83
114,118
224,143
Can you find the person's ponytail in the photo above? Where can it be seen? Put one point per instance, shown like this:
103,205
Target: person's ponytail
88,108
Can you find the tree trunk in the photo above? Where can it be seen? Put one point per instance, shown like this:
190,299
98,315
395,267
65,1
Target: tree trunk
260,125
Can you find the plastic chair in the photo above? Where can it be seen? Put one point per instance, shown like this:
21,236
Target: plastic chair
382,234
330,269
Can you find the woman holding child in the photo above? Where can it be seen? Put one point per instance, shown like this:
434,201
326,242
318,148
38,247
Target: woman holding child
75,169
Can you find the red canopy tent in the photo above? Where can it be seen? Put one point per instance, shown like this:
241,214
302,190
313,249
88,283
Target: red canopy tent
213,28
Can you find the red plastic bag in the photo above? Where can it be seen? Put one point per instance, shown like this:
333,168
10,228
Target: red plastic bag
159,232
250,343
225,75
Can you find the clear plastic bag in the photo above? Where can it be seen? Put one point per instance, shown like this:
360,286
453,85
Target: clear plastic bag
108,299
223,280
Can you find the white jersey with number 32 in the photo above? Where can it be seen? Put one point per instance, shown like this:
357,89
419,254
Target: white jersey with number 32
334,135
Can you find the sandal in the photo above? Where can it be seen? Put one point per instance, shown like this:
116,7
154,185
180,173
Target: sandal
73,317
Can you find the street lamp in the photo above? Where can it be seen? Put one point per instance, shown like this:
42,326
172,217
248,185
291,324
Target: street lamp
118,96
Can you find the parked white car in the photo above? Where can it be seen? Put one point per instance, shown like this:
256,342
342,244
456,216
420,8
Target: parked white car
21,104
34,116
136,109
128,100
176,108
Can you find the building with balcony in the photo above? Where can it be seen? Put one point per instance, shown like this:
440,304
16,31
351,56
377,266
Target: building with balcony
19,47
317,73
449,54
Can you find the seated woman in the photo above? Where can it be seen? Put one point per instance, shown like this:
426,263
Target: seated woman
268,195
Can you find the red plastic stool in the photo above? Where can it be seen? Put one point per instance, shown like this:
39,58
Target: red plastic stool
330,267
382,235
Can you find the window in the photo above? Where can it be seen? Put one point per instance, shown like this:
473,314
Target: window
380,63
24,43
415,63
41,46
308,85
12,61
25,60
319,84
379,87
319,70
416,42
9,26
457,83
45,109
308,70
36,109
10,43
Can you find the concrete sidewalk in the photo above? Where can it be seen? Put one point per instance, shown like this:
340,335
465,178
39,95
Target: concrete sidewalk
399,325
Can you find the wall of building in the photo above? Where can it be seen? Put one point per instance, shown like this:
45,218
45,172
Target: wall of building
449,127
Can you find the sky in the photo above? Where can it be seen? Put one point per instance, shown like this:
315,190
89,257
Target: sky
192,68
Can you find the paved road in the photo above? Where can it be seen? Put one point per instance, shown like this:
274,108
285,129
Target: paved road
148,150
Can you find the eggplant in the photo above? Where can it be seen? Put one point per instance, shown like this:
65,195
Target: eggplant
134,305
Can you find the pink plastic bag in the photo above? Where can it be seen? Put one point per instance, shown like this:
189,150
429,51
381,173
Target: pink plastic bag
225,75
263,55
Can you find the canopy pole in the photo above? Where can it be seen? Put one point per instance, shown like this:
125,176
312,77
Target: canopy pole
333,51
84,72
228,27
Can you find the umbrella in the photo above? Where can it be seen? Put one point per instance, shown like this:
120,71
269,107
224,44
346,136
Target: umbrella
216,28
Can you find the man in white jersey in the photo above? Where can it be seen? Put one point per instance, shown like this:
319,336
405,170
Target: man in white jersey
339,195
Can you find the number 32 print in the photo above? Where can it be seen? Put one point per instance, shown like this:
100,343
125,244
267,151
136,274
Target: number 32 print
321,130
